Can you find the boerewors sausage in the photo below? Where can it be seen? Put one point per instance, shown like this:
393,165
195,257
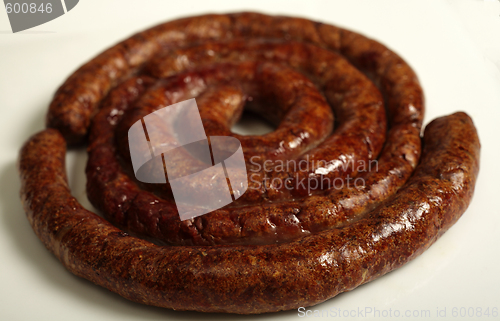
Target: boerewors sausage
275,248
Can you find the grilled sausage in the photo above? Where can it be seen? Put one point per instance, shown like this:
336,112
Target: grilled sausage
274,248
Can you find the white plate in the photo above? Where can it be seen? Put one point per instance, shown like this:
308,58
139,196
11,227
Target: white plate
454,48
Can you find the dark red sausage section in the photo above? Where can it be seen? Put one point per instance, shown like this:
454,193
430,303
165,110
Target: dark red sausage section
334,96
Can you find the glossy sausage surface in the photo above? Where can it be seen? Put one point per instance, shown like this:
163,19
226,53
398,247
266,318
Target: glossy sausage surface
325,89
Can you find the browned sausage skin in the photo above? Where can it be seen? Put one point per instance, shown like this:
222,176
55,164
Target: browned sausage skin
274,250
359,136
245,278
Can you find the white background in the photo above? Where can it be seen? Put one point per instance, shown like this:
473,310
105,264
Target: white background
454,46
